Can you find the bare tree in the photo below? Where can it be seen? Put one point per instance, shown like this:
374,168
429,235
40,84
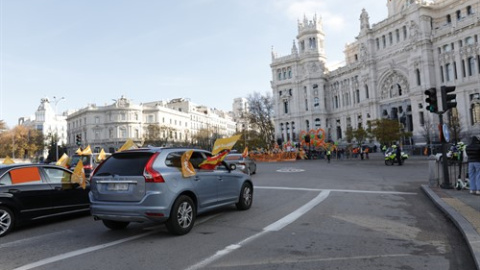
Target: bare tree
260,116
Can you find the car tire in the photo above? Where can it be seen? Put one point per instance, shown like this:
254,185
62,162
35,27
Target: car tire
183,215
7,221
115,225
246,197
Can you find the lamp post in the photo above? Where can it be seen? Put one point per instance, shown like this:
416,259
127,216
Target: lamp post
55,102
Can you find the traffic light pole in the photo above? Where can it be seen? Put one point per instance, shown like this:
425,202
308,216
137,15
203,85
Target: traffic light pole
446,178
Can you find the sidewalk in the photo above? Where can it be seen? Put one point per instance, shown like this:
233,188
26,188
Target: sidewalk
463,209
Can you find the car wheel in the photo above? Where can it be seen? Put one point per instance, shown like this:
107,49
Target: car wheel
7,221
182,217
115,225
246,197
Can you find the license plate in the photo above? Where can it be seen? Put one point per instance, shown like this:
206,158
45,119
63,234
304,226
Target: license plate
117,187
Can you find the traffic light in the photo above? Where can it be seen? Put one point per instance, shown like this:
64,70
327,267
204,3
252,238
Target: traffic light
432,100
78,139
448,100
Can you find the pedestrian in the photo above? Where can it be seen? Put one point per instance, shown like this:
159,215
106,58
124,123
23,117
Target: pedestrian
367,150
329,153
473,154
398,155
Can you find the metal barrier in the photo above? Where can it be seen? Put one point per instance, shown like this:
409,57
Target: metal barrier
457,173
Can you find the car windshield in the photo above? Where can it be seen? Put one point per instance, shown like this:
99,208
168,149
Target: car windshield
126,164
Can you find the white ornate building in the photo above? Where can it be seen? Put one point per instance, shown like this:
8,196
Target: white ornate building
110,126
422,44
48,122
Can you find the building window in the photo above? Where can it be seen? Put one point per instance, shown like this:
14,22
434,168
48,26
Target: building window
419,81
317,122
475,108
441,74
404,32
469,10
279,72
367,95
390,38
307,124
448,72
397,34
459,14
449,18
455,70
421,118
306,104
97,119
289,73
378,44
471,66
357,95
336,102
463,69
469,41
316,102
384,41
285,106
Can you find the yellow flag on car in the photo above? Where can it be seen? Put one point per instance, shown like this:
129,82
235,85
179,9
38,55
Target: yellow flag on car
8,160
78,175
224,144
129,144
187,167
62,161
79,151
101,156
87,151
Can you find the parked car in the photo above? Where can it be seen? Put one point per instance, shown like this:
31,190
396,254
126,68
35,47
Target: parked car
90,162
147,185
244,164
37,191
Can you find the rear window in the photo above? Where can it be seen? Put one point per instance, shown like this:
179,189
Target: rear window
75,159
125,164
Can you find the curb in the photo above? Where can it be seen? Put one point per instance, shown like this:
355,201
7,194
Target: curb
469,233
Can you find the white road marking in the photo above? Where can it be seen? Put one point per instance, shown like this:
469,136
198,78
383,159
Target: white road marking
276,226
34,239
338,190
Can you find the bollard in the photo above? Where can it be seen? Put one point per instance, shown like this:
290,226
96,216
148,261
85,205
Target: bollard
433,165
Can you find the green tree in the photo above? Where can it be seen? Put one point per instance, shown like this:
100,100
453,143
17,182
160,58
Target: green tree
387,130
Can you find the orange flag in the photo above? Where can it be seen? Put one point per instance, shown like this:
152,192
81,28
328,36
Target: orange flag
245,152
211,162
187,167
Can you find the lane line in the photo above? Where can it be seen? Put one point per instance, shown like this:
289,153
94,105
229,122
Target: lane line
338,190
276,226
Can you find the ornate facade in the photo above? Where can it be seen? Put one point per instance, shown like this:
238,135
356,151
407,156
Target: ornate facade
110,126
420,45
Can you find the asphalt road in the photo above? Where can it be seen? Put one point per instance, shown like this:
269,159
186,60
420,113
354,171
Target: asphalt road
306,215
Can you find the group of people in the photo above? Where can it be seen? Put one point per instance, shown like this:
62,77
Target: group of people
473,153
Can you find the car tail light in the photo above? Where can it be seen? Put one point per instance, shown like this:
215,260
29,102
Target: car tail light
150,174
87,167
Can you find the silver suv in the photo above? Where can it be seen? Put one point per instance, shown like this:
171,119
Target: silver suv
147,185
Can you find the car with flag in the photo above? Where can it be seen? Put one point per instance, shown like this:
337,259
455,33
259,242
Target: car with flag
241,162
165,185
89,161
31,192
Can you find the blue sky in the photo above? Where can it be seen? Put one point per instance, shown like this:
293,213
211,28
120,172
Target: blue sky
210,51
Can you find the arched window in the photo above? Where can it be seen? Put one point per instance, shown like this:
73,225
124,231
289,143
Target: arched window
289,73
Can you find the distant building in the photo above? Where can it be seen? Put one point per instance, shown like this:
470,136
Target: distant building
177,121
48,123
422,44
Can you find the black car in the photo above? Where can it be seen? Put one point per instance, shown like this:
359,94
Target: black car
36,191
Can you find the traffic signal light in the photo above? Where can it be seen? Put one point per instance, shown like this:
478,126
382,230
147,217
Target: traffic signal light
78,139
448,100
432,100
